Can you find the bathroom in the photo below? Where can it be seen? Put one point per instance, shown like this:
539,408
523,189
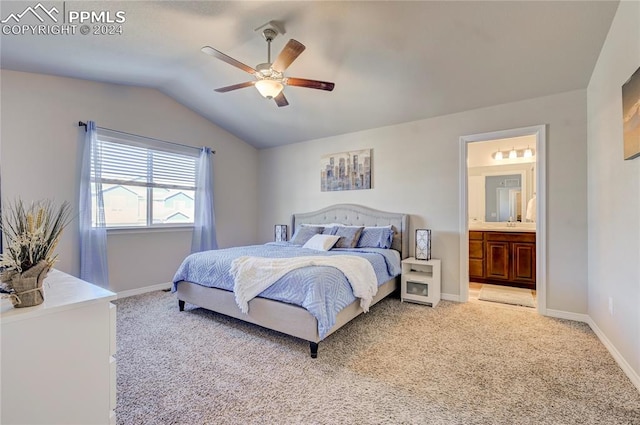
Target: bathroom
502,213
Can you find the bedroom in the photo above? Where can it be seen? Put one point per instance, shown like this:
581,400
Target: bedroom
415,163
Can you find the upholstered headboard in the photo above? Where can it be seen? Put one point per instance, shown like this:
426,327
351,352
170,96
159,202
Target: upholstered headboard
358,215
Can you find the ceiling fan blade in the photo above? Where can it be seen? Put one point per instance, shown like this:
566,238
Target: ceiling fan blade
228,59
281,100
312,84
288,54
235,87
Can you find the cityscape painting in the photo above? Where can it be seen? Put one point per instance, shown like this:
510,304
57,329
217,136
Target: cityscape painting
631,116
346,171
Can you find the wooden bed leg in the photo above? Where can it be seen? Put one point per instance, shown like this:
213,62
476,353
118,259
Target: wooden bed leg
181,305
313,348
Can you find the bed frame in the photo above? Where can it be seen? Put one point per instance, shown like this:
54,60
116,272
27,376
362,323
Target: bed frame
291,319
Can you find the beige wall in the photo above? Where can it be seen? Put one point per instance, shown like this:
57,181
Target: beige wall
40,141
415,170
614,193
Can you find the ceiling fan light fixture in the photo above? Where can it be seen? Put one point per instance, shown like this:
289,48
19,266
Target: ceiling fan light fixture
269,88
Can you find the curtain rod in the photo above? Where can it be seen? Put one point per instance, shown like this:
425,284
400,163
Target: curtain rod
84,124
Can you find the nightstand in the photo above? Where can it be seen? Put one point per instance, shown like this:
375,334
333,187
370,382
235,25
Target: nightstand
420,281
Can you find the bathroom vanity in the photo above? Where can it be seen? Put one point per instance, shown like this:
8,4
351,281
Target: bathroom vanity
502,255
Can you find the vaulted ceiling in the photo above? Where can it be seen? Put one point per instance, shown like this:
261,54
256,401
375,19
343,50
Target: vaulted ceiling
391,61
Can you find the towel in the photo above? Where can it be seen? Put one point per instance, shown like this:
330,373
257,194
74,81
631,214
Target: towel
531,209
252,275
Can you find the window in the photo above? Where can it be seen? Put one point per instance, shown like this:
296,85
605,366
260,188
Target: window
144,183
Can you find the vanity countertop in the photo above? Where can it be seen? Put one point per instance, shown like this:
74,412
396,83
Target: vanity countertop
503,227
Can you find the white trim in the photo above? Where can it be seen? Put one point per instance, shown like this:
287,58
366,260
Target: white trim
464,220
626,368
576,317
450,297
539,131
144,290
154,229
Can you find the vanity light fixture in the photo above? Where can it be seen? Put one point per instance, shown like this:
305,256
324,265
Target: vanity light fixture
514,154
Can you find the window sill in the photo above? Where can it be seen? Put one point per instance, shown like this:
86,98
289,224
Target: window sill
147,230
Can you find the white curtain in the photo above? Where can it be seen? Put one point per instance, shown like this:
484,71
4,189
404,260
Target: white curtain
93,233
204,229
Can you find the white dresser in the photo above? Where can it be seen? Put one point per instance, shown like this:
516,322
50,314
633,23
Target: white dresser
58,359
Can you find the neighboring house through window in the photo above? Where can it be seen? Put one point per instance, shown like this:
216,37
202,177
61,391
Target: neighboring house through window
143,183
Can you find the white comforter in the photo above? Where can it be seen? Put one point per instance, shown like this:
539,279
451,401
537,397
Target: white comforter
252,275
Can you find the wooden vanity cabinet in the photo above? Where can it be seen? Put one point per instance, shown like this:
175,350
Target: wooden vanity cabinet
476,254
504,258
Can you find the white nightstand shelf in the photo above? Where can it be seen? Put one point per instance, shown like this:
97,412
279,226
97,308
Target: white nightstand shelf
420,281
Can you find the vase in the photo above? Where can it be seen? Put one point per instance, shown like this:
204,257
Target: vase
27,286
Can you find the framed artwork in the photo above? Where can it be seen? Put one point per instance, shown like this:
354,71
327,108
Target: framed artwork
631,116
346,171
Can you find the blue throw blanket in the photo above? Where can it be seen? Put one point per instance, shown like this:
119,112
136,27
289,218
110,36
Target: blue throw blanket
322,290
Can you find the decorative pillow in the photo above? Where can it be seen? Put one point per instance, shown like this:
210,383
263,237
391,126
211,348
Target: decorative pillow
321,242
376,237
329,229
349,236
304,233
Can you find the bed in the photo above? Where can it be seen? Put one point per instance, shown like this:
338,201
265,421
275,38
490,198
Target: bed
286,317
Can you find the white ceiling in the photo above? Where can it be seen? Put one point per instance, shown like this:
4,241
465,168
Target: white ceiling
391,61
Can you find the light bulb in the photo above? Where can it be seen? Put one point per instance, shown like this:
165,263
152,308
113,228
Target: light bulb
269,88
528,153
498,155
513,154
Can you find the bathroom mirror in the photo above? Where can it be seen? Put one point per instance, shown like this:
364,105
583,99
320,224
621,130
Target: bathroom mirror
500,193
503,198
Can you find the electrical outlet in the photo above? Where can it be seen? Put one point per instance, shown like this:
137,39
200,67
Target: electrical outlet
611,306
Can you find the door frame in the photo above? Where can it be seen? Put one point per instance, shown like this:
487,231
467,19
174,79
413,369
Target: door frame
539,131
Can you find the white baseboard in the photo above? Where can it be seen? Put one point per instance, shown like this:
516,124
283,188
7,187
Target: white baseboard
559,314
138,291
624,365
626,368
450,297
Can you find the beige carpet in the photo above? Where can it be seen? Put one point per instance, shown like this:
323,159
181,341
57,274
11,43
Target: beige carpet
401,363
507,295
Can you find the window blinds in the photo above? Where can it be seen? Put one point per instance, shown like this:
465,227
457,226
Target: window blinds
138,164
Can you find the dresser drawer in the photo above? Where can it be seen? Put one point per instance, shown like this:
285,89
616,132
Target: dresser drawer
476,249
475,235
510,236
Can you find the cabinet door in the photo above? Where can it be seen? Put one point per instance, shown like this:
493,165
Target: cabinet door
497,260
524,261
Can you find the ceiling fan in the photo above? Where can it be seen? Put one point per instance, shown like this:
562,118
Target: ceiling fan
269,77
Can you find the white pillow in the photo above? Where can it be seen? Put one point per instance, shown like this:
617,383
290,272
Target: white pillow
321,242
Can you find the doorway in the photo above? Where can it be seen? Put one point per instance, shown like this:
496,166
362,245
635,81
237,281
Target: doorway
517,199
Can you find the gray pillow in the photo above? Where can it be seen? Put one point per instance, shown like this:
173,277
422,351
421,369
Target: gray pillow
376,237
304,233
350,235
